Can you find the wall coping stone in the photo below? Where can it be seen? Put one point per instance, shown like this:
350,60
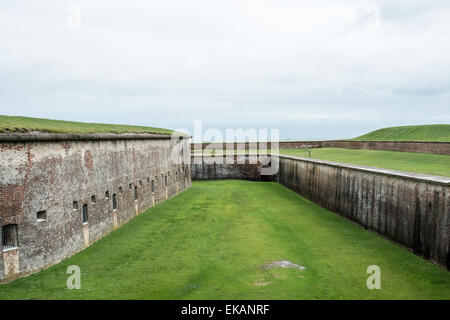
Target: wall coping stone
34,136
395,173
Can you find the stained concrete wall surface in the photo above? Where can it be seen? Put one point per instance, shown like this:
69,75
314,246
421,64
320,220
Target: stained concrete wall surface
411,209
222,167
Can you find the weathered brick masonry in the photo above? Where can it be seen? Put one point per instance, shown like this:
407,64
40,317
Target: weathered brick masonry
405,146
410,209
57,175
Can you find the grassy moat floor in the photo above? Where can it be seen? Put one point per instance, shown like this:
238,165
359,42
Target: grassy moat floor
217,241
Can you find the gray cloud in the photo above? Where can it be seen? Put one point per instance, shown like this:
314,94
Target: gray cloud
313,69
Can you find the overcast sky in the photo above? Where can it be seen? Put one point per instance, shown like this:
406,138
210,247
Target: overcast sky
313,69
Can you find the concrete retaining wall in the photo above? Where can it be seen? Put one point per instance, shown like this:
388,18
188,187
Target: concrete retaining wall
411,209
405,146
53,174
221,167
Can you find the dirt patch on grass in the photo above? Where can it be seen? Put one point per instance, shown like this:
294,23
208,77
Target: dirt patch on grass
283,264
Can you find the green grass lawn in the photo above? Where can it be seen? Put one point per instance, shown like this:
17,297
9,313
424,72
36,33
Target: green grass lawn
211,242
433,132
20,124
434,164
